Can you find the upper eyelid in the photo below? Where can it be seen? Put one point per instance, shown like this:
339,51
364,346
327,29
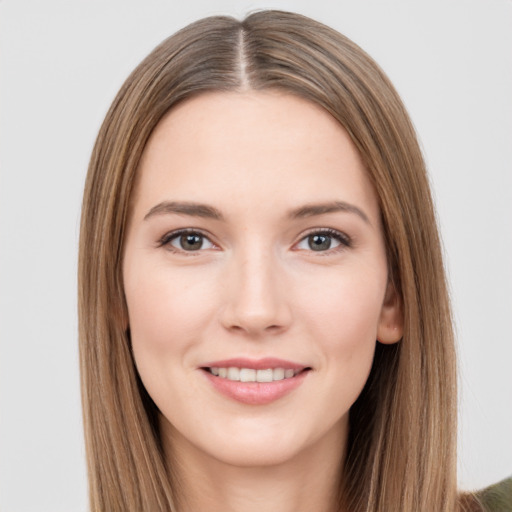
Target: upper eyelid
323,230
327,231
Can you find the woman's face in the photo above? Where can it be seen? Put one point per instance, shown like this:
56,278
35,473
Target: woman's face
255,276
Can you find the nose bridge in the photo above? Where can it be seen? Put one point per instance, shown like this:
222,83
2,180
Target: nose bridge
256,299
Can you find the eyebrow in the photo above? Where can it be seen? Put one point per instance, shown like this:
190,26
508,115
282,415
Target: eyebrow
185,208
210,212
311,210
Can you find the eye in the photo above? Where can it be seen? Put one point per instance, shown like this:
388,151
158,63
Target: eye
187,241
324,240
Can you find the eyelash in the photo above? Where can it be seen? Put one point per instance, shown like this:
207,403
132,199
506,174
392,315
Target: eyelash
344,240
166,240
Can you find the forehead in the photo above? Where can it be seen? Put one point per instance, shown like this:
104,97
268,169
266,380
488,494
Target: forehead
271,147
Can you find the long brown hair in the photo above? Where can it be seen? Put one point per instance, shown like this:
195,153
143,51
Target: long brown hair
401,449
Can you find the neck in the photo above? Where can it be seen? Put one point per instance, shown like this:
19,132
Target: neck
310,480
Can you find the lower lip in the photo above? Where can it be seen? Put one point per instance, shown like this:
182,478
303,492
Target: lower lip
256,393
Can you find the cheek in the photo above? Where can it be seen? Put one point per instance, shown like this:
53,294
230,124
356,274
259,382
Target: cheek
167,310
342,317
345,308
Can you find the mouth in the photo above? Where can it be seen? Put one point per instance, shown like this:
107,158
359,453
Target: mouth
255,382
237,374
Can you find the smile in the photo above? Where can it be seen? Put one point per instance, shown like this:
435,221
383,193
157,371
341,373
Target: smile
255,382
253,375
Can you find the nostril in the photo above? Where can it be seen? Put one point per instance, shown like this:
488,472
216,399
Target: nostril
255,317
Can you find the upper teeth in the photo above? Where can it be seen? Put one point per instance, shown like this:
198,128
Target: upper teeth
252,375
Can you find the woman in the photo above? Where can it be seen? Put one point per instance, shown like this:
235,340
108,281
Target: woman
256,215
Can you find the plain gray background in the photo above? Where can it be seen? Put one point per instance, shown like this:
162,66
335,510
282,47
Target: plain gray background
62,63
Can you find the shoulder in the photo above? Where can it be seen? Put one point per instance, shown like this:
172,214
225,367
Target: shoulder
497,497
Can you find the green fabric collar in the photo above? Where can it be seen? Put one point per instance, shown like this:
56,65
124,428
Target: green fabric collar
497,497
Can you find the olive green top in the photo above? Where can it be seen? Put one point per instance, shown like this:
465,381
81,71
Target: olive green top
497,497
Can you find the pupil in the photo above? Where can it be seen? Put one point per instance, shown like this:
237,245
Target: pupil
319,242
191,242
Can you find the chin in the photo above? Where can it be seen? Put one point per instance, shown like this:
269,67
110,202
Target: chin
253,455
251,444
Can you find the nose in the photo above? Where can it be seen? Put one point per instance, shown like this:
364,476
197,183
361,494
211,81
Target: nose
256,300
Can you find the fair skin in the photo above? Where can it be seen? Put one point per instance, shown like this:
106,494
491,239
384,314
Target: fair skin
283,263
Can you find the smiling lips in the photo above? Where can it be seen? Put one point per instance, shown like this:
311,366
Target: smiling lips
255,382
